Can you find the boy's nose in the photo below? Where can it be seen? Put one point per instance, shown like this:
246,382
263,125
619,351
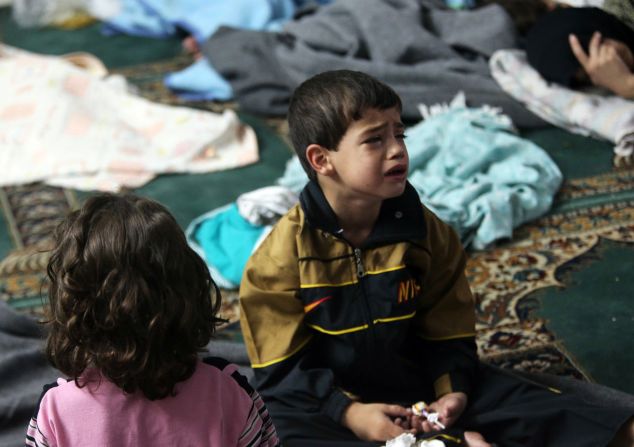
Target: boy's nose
397,149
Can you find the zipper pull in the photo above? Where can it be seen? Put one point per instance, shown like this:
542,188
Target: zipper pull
357,257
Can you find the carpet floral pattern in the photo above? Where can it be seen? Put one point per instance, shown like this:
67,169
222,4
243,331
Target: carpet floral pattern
503,278
31,213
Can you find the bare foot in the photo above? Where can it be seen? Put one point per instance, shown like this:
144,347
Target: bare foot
191,46
475,439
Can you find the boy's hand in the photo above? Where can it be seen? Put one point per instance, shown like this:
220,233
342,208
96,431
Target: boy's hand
449,408
374,422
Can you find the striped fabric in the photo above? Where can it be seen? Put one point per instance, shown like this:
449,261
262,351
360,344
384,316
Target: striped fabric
259,429
34,437
602,116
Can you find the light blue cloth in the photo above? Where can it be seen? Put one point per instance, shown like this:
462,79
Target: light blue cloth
199,82
477,175
138,19
200,18
294,177
225,240
460,4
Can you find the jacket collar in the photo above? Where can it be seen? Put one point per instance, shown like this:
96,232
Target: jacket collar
400,218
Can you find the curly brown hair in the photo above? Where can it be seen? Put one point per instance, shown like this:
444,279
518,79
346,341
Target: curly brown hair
128,296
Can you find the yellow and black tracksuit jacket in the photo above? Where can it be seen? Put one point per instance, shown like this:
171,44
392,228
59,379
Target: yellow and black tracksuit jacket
391,321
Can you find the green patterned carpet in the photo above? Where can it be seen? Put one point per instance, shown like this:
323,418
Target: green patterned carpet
557,298
548,299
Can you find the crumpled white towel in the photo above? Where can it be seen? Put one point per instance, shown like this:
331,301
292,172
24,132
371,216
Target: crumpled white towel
583,3
266,205
608,117
409,440
69,127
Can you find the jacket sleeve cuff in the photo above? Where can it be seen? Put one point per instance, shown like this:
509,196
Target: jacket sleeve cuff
452,383
335,405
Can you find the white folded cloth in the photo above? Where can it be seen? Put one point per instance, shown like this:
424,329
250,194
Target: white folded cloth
604,116
266,205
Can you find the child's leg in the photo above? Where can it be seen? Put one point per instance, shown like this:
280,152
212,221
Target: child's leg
512,411
296,428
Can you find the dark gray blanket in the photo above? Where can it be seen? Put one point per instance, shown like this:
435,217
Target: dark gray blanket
23,372
425,52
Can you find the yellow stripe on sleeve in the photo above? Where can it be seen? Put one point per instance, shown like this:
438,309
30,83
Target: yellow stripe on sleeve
281,359
341,331
449,337
362,327
312,286
390,269
390,319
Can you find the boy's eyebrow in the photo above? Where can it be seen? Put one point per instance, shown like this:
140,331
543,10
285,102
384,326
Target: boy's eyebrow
399,125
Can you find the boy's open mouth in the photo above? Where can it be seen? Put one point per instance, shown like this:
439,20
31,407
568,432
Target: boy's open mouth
396,171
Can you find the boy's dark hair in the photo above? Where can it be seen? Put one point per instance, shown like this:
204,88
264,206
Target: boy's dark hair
128,296
323,107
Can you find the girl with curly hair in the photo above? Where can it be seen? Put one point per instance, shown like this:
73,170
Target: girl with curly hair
131,306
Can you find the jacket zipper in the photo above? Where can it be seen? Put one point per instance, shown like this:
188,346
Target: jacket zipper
371,340
359,262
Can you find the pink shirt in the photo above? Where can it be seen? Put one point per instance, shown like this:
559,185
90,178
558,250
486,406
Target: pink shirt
214,407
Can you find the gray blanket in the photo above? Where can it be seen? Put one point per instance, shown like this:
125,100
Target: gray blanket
425,52
23,372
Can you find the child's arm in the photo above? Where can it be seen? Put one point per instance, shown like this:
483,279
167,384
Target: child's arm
39,431
278,342
375,422
604,66
447,409
258,429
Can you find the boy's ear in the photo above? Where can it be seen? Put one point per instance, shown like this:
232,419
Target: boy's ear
319,159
